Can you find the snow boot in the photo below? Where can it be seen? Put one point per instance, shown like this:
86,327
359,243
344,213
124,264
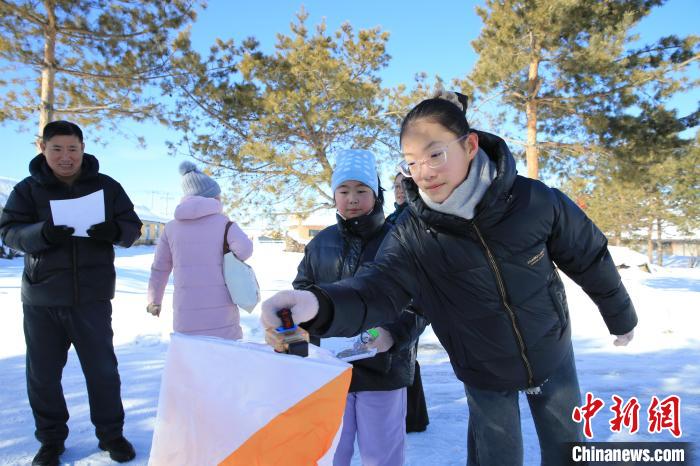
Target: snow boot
120,449
48,454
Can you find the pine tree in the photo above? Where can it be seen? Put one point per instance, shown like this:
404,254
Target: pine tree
612,202
272,122
557,64
89,60
685,180
674,192
644,179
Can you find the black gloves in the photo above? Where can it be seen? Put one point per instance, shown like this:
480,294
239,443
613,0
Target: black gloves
56,234
60,234
105,231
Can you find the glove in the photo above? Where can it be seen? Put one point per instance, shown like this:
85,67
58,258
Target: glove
106,231
153,309
383,342
622,340
56,234
302,303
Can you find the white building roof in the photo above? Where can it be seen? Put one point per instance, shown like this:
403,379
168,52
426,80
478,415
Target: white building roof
623,256
145,213
324,217
672,232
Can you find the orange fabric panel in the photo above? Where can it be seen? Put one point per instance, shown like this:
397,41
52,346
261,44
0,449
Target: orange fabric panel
301,435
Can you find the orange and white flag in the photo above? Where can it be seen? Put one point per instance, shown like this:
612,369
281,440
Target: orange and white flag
224,402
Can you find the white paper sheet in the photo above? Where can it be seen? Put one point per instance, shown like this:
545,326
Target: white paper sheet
80,213
348,349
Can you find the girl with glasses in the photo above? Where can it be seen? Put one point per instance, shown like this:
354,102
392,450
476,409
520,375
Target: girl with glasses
480,248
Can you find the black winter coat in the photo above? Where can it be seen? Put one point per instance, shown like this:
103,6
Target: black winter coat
82,270
336,253
489,286
394,216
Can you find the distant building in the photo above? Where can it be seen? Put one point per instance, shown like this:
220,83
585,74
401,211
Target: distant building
300,230
303,229
678,243
153,225
674,241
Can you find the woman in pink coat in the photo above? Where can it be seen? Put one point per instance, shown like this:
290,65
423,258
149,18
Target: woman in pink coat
192,247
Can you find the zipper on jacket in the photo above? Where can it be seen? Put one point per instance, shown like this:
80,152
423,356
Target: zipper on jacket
74,254
76,296
502,290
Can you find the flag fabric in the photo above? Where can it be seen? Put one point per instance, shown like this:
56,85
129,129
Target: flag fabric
225,402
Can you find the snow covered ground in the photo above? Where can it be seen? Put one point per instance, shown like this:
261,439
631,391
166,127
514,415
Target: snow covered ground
662,360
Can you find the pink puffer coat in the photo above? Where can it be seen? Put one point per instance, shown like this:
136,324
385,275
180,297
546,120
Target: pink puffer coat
192,247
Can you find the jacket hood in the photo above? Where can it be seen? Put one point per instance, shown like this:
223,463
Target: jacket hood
42,173
498,151
192,207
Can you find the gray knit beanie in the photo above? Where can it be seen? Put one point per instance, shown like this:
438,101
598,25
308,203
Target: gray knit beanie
196,183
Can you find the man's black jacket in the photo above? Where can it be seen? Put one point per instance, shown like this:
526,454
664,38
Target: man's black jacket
81,270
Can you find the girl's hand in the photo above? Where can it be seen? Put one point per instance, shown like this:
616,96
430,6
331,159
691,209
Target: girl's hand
383,342
153,309
302,303
622,340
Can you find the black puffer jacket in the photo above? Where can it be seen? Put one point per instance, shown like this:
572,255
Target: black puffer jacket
394,216
488,286
82,270
336,253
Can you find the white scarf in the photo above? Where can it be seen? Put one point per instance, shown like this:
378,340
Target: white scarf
464,199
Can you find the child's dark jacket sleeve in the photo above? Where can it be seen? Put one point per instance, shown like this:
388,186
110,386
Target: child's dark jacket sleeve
580,250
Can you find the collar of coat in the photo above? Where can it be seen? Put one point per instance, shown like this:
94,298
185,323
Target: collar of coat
43,174
364,226
488,210
399,208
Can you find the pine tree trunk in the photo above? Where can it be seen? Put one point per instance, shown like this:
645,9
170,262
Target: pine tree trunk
531,147
533,84
650,243
659,244
48,69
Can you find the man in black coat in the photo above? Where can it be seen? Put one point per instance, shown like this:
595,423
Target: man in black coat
67,285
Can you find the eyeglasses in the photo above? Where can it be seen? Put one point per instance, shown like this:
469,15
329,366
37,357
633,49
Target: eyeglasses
435,159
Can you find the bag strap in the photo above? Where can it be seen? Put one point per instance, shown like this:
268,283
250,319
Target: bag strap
226,248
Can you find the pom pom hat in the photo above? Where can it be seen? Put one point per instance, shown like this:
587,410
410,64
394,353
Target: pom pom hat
196,183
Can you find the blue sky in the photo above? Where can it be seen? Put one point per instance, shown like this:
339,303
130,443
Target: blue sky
432,37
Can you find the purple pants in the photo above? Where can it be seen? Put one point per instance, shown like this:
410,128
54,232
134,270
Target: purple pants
378,419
